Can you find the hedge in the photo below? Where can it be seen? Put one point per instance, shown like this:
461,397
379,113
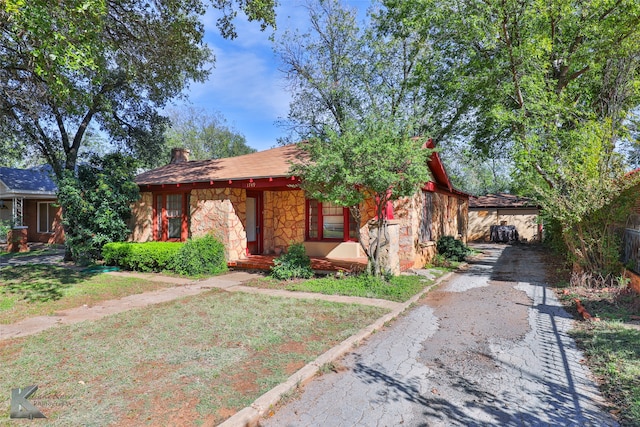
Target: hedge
149,256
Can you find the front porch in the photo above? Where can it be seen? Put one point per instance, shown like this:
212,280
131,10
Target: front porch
319,265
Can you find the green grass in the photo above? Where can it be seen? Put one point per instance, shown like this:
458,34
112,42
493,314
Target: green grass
191,361
399,288
613,352
37,252
611,345
39,289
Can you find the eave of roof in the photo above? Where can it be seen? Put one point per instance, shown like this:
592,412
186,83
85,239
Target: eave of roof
273,163
27,181
262,169
501,200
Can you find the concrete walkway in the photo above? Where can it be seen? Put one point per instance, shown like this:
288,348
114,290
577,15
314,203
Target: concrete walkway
490,347
231,282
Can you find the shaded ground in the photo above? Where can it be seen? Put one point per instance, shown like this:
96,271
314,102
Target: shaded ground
490,347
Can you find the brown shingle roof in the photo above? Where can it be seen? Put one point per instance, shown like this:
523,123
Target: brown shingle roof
500,200
263,164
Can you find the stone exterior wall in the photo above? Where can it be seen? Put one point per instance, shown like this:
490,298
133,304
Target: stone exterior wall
448,217
141,223
284,219
222,212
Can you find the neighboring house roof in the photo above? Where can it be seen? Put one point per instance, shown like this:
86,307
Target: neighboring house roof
273,163
263,164
26,182
501,200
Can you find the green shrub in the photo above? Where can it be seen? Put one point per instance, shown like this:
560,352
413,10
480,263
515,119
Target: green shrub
292,265
5,227
148,256
452,248
115,253
203,255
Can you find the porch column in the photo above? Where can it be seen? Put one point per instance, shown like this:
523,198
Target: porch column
18,211
17,240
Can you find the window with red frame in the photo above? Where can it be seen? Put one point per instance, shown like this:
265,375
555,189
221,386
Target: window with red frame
170,222
328,221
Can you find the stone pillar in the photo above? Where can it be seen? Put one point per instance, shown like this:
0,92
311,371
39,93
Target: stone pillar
17,240
389,257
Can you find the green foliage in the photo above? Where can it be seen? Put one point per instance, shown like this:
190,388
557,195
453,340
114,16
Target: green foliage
373,159
343,69
294,264
206,135
116,253
96,204
613,354
475,172
69,64
199,256
5,227
552,85
452,248
148,256
355,102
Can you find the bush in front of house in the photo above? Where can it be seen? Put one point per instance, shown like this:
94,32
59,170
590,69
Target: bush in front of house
202,255
148,256
115,253
96,200
452,248
294,264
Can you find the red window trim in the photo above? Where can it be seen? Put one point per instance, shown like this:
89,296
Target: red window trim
184,229
345,221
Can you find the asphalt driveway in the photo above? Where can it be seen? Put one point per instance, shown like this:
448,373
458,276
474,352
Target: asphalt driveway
489,347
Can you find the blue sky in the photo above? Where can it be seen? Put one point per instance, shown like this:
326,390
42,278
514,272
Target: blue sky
246,85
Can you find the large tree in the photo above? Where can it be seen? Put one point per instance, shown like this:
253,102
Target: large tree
552,82
340,69
206,135
371,160
355,104
65,65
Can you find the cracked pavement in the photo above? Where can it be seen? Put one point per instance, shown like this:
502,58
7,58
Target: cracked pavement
488,347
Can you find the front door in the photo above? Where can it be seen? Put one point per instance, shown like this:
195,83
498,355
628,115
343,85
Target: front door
254,222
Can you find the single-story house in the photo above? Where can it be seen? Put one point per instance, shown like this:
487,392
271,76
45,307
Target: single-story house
255,207
503,209
28,203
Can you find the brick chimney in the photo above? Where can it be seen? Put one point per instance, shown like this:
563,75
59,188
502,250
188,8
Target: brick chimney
179,155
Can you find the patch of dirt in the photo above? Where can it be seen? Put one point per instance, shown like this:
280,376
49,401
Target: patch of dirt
489,311
461,340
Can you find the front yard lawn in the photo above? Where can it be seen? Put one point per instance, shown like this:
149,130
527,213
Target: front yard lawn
39,289
192,361
399,288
